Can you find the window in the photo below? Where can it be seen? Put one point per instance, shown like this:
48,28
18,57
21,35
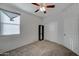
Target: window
9,22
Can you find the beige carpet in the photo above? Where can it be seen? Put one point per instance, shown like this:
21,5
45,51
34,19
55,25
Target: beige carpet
41,48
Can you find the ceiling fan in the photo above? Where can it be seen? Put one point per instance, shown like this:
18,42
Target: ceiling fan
43,6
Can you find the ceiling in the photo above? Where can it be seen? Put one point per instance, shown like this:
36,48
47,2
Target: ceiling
28,7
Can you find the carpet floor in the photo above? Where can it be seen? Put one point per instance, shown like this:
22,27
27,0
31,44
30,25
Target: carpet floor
41,48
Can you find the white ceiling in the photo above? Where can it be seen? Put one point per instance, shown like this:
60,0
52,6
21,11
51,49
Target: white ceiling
28,7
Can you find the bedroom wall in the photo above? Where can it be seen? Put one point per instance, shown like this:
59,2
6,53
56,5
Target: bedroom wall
67,31
29,30
54,28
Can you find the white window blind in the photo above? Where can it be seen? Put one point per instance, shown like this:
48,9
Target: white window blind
9,23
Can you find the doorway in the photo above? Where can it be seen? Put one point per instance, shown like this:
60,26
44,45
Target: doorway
41,32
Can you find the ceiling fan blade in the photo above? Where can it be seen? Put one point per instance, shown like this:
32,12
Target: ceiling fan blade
36,4
37,10
50,6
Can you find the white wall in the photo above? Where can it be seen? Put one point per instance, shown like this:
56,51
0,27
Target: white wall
54,29
66,23
51,31
29,30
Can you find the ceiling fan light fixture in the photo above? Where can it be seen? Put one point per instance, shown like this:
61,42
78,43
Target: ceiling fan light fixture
42,9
